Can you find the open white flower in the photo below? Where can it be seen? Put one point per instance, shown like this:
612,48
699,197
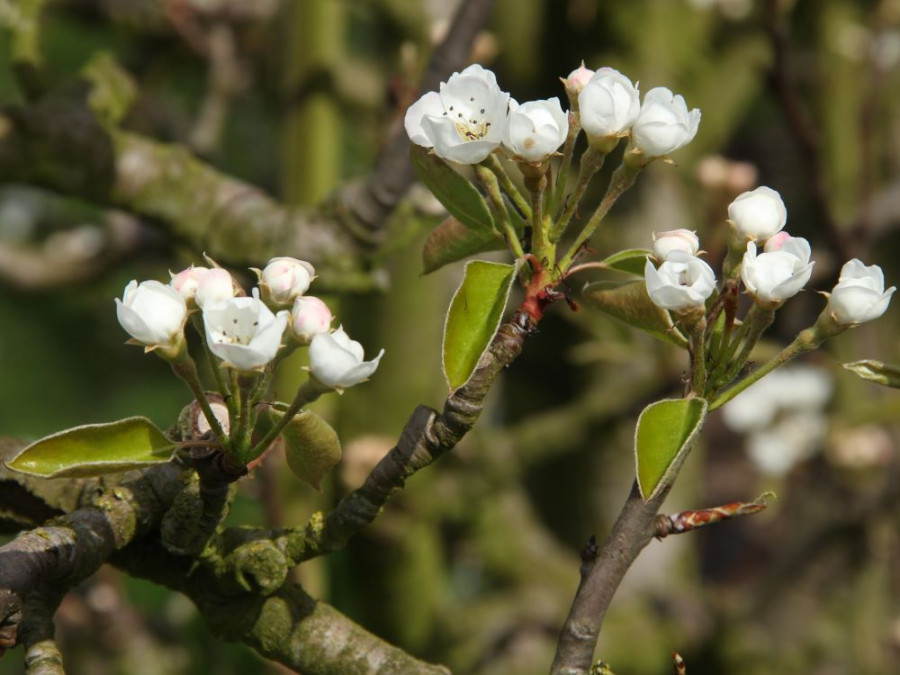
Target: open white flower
608,104
465,121
682,283
774,276
284,279
666,243
859,295
664,123
337,361
535,129
243,332
758,214
152,313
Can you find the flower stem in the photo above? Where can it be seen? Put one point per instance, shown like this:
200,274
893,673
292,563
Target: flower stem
308,392
185,368
496,166
491,186
246,420
806,341
758,319
565,164
591,162
622,179
696,331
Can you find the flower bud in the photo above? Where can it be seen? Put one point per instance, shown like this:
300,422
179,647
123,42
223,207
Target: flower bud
758,214
309,317
152,313
775,276
187,281
608,104
664,123
535,130
284,279
575,82
214,287
859,295
681,284
777,241
665,243
337,361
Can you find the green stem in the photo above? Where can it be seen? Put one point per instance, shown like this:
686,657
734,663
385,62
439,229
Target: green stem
806,341
622,179
185,368
758,319
246,420
696,331
540,242
591,162
506,184
565,164
308,392
491,186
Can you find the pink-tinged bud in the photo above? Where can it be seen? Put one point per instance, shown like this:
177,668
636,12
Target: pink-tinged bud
664,243
309,317
187,281
576,80
776,242
284,279
215,287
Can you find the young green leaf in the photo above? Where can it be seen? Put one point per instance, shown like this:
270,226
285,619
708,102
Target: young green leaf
665,431
473,317
630,303
876,371
458,195
311,446
631,261
452,241
95,449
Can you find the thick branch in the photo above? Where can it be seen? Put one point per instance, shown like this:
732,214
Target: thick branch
632,531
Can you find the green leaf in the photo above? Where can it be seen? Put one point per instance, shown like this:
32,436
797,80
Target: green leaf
665,432
630,303
452,241
95,449
473,317
457,194
631,261
311,446
876,371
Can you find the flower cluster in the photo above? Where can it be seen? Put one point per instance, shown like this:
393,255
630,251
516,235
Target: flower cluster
245,333
470,117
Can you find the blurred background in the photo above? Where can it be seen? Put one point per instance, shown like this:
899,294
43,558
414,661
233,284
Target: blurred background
476,563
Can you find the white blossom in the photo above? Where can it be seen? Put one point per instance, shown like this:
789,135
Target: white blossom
337,361
465,121
576,81
681,283
774,276
152,313
284,279
243,332
666,243
664,123
608,104
859,295
535,129
758,214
